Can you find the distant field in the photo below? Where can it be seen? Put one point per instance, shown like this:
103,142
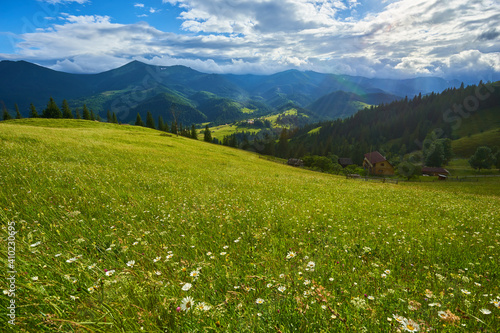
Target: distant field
123,229
467,145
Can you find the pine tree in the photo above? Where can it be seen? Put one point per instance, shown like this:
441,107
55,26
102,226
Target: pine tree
92,115
109,117
78,115
86,113
161,124
173,129
194,134
150,121
138,120
6,114
67,114
33,113
18,114
115,120
207,137
52,110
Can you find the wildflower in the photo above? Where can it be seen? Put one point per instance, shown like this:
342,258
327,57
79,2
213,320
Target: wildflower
435,304
187,286
194,274
92,266
311,264
466,292
443,315
383,275
399,319
91,289
410,326
485,311
57,255
156,259
259,301
225,247
269,285
187,303
323,307
209,253
169,256
35,244
387,272
35,278
306,282
371,298
291,255
73,297
281,288
110,272
131,263
330,279
496,303
282,276
71,260
359,303
477,284
223,253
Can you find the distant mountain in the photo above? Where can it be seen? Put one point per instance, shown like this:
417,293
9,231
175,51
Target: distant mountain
138,87
341,104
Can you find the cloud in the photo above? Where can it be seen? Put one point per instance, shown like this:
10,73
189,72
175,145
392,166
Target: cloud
396,39
140,5
81,2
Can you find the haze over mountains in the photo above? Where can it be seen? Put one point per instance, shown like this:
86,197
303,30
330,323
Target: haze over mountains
194,97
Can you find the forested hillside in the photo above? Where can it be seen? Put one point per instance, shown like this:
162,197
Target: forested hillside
402,126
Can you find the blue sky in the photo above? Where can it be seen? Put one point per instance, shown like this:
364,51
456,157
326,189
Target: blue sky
389,38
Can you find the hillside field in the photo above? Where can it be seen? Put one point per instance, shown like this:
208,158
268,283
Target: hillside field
127,229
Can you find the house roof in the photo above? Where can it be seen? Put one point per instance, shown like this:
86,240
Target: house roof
345,161
435,170
374,157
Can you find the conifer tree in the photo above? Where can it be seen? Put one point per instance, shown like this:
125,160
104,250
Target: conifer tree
173,129
109,117
194,135
150,121
92,115
33,113
161,124
207,137
52,110
86,113
6,114
18,114
115,120
78,115
66,111
138,120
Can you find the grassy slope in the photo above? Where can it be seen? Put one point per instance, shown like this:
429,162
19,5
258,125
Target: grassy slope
107,194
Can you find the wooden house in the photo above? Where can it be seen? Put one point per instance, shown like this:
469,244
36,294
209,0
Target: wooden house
345,161
431,171
376,164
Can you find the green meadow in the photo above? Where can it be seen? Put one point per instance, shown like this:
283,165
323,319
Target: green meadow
127,229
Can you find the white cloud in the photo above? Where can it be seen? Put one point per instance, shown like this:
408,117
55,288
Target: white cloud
140,5
81,2
401,38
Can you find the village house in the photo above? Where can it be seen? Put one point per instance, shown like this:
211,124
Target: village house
376,164
430,171
345,161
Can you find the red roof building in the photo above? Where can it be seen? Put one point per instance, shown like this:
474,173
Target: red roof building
376,164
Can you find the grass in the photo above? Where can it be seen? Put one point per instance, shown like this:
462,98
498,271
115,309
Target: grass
466,146
221,131
480,122
118,225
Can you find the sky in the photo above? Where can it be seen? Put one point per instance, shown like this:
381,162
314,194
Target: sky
453,39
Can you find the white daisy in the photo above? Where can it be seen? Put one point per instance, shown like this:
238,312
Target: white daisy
187,303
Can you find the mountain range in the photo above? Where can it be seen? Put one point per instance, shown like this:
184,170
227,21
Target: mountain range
189,96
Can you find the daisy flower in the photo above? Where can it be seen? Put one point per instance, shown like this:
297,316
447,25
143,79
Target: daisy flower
281,288
259,301
194,274
187,286
109,273
410,326
465,291
311,264
485,311
156,259
187,303
291,255
131,263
